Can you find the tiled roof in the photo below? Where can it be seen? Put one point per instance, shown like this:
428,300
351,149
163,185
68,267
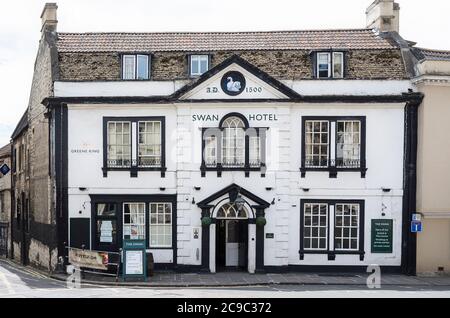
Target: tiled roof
434,54
5,151
219,41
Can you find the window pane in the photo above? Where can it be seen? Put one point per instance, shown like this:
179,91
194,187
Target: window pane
119,144
134,221
129,67
316,144
338,65
348,144
346,232
149,144
106,209
199,64
161,225
323,65
233,143
142,67
315,228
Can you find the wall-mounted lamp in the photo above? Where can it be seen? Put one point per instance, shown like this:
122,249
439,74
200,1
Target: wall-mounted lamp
82,188
273,201
269,188
386,189
162,189
305,189
193,200
197,188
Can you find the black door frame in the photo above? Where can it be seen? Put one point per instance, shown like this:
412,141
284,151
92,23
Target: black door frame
207,209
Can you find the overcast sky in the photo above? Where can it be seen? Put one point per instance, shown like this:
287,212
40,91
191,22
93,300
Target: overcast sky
425,22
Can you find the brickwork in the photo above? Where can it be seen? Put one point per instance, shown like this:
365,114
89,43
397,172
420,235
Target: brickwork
283,65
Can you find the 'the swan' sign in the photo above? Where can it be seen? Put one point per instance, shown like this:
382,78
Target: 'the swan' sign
233,83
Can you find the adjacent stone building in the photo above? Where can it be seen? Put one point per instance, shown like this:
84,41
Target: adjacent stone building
433,183
5,202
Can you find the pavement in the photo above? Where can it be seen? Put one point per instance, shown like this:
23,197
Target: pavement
224,279
17,281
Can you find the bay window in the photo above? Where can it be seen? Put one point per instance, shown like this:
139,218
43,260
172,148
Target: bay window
333,144
332,227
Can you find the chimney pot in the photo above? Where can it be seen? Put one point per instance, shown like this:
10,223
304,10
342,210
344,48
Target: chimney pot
49,18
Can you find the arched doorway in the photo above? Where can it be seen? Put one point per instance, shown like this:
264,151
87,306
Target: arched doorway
231,237
219,207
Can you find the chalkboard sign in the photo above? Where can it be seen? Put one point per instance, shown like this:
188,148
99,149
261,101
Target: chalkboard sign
382,236
134,260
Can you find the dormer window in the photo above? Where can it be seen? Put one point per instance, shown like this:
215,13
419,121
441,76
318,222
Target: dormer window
330,65
198,64
135,67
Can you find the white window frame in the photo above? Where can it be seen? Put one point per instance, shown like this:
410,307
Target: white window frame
341,54
140,215
122,145
199,58
231,136
331,57
350,227
158,157
136,62
328,55
255,151
312,144
353,145
311,226
210,147
164,225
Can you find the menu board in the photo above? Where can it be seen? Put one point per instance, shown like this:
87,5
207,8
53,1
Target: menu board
134,263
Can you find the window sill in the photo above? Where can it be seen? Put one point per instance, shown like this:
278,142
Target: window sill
333,171
246,169
332,254
134,170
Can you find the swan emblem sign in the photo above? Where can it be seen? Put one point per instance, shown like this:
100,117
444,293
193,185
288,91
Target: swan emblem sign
233,83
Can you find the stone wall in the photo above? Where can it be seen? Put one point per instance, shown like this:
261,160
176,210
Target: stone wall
35,181
283,65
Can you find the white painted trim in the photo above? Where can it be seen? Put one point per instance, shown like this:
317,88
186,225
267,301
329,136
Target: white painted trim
166,88
439,80
251,248
212,248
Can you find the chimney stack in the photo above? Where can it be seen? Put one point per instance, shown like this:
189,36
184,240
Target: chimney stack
383,15
48,17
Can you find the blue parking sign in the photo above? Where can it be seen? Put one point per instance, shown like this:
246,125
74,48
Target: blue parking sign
4,169
416,226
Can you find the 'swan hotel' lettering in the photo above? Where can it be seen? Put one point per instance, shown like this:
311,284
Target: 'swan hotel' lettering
251,117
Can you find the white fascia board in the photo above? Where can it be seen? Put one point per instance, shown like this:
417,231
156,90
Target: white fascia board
166,88
350,87
117,88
